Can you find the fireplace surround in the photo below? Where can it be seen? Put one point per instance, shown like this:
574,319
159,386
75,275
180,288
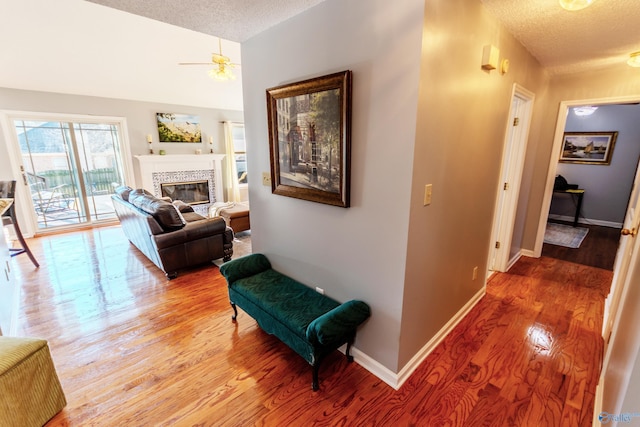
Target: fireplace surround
156,170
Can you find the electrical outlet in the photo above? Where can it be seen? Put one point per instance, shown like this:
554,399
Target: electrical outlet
427,194
319,290
266,179
474,275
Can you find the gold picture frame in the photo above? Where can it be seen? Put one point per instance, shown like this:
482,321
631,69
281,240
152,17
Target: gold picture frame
588,148
310,139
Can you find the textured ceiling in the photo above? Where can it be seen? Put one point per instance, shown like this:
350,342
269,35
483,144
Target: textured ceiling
564,42
235,20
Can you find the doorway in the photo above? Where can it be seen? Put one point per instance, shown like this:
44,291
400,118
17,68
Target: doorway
630,216
69,166
505,250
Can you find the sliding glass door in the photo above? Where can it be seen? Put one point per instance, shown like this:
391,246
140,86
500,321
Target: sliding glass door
71,169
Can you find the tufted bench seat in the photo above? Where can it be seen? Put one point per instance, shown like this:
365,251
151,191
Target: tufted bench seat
29,387
311,324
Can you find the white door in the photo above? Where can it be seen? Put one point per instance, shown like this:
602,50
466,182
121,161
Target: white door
517,134
623,258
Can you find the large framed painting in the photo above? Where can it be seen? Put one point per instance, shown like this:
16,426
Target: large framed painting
310,139
178,127
589,148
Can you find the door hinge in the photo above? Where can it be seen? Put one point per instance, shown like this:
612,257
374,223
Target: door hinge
516,121
505,186
497,245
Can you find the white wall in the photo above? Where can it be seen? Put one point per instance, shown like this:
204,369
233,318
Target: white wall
358,252
79,47
607,187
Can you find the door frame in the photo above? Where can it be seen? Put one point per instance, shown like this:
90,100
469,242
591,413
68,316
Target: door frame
561,123
620,285
512,166
24,209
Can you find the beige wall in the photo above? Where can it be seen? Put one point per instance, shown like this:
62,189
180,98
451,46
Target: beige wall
462,116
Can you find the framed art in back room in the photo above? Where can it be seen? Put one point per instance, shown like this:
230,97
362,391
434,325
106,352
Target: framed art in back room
310,139
590,148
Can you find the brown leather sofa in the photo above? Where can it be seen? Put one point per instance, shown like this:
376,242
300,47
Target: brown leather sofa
171,235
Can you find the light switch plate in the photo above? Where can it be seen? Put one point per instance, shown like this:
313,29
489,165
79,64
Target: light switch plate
266,179
427,194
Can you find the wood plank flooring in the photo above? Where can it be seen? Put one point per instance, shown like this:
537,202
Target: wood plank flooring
597,250
134,349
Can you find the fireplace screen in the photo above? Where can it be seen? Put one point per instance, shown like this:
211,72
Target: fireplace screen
193,192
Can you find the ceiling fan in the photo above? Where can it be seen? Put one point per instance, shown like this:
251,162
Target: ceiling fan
222,65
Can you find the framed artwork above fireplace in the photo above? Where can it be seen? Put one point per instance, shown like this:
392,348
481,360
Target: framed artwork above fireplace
178,127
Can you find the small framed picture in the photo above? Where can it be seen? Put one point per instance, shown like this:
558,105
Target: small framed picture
589,148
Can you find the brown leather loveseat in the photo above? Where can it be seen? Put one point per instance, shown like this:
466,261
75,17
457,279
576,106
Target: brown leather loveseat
171,235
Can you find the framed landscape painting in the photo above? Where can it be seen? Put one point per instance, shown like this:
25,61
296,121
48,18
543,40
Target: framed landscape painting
178,127
310,139
590,148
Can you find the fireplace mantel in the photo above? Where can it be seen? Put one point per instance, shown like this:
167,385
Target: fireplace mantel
149,164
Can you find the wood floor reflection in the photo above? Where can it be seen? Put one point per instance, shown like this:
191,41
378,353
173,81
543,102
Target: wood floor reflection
132,348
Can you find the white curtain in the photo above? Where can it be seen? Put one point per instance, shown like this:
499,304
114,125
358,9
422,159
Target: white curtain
231,178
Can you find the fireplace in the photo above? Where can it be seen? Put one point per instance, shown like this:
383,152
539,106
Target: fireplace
155,171
192,192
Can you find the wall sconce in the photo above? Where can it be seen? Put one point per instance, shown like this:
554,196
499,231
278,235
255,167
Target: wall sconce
490,55
211,144
634,59
150,141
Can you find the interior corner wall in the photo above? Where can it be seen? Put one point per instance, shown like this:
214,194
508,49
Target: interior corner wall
462,118
620,81
356,252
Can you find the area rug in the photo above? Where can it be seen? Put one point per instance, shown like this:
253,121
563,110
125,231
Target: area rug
564,235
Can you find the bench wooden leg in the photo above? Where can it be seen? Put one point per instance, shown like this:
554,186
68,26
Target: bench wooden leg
235,312
348,352
314,384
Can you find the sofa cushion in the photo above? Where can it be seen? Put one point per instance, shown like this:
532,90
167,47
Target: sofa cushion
182,206
123,191
164,212
192,216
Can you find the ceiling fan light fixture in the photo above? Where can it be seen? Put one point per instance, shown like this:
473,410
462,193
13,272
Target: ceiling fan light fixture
221,73
634,59
573,5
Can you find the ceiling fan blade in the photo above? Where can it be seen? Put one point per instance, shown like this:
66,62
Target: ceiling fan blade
195,63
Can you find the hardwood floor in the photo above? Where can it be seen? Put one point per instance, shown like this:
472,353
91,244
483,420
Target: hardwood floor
597,250
132,348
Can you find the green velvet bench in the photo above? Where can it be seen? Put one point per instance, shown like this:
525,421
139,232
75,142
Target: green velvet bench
311,324
30,392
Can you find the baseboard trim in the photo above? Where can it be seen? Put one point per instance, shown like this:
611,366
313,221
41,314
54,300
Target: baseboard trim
586,221
597,406
515,259
396,380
